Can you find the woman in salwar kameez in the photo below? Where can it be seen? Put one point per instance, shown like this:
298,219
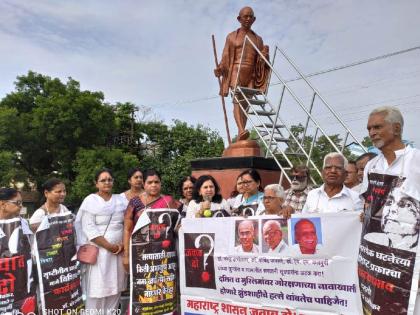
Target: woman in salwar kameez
100,222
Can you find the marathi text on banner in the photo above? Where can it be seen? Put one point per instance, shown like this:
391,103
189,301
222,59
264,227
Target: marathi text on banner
387,252
17,287
267,265
153,263
58,268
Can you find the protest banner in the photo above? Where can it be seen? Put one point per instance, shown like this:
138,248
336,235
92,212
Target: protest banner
388,247
57,265
153,263
268,265
17,287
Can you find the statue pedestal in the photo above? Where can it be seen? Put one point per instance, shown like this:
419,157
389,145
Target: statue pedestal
227,168
243,148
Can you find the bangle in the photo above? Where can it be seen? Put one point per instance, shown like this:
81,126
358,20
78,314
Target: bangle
120,248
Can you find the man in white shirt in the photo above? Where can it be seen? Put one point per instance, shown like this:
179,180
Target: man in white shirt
395,158
246,233
273,237
399,165
332,196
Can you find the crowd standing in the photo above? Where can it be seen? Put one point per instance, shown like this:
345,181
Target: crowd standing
106,220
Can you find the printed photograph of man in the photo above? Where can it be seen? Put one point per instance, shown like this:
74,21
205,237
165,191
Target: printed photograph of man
272,235
247,237
399,223
307,239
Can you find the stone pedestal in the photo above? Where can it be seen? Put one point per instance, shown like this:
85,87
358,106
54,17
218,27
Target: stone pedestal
226,169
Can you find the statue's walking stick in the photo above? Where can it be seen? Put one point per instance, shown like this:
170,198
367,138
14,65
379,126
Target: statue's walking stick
220,85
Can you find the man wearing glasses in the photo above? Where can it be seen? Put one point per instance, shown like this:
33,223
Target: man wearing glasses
333,195
298,192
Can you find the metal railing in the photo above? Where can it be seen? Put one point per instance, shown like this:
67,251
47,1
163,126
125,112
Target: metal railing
273,116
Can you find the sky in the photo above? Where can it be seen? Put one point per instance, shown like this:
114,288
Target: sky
159,53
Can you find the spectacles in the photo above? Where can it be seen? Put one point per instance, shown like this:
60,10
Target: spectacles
298,178
16,202
247,182
331,167
269,198
106,180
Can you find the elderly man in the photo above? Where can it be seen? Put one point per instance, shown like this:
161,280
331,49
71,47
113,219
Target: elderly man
253,71
332,196
298,192
395,171
351,180
246,234
305,237
273,236
272,200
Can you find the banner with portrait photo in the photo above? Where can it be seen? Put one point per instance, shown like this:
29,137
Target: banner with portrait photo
153,263
387,253
58,268
17,286
269,265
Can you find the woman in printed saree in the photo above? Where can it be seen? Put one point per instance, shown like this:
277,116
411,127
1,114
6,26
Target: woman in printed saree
99,222
251,200
150,199
135,180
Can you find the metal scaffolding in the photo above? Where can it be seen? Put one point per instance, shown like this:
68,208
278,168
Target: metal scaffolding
273,121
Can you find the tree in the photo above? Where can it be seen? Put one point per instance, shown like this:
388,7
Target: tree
321,147
50,128
45,122
89,161
9,173
170,149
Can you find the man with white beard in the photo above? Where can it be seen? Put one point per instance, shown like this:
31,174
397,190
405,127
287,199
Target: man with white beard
298,192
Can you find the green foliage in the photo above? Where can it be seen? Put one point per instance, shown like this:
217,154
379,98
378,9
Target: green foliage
9,173
170,149
321,147
367,142
89,161
47,122
50,128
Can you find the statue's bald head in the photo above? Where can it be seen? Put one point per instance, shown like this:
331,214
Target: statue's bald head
246,10
246,17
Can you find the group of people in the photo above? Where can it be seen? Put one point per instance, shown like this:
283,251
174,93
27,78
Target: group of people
106,220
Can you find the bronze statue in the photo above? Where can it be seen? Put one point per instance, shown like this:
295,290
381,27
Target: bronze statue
253,70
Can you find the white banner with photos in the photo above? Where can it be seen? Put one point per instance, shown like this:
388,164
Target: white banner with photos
269,265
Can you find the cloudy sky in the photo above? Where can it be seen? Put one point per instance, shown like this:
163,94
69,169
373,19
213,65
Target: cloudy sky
159,53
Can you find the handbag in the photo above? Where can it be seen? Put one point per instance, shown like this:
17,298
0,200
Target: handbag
87,253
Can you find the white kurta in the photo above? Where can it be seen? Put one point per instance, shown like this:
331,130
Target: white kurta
40,213
107,277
